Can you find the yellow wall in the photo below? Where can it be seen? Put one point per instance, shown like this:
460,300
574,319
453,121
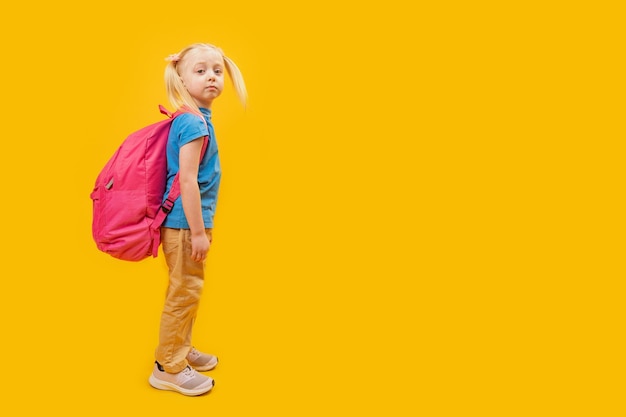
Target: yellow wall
415,217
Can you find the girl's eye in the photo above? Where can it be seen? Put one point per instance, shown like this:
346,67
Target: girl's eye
200,71
218,71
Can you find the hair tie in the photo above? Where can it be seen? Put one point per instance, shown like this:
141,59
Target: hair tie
173,58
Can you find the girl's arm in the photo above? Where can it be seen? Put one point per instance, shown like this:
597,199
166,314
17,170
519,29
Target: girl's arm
190,195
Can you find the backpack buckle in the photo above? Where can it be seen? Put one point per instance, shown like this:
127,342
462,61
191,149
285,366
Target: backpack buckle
167,206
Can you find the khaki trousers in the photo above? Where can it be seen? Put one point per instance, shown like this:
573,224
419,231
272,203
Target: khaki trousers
186,280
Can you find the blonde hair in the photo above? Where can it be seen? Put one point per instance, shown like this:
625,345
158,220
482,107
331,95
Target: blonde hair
176,91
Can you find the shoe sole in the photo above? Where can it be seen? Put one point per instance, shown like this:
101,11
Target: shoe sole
205,367
168,386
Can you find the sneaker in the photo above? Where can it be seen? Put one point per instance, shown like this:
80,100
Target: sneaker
187,381
201,361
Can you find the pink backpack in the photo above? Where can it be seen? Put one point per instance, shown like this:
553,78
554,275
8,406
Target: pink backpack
127,197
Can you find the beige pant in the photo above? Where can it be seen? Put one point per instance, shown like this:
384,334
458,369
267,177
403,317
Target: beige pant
186,279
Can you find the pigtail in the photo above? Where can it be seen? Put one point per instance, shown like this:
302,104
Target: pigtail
237,80
173,85
177,94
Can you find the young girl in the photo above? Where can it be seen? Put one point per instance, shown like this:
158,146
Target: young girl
194,78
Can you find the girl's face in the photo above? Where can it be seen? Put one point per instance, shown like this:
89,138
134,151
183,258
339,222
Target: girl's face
202,73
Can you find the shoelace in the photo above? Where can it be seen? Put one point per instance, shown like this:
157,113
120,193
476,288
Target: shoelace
189,371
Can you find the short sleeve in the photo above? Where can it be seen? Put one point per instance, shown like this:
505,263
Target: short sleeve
188,127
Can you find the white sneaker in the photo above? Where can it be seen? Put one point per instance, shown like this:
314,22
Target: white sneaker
201,361
187,381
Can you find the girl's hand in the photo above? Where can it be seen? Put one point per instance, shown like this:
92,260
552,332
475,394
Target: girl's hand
199,247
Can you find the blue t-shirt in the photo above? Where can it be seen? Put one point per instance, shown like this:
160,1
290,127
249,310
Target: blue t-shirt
186,128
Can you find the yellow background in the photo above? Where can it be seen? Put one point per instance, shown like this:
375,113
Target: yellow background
421,210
